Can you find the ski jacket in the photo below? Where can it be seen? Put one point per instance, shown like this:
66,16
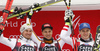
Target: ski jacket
55,46
81,44
21,44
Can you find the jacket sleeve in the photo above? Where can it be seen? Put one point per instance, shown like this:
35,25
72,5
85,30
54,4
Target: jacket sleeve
34,36
65,34
61,42
8,42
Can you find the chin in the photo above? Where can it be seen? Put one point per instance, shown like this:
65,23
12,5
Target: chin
28,38
85,38
48,38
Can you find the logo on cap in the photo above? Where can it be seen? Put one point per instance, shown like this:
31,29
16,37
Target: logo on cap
85,25
46,25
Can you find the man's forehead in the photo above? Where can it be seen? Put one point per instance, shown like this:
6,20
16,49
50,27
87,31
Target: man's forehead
47,29
85,29
29,29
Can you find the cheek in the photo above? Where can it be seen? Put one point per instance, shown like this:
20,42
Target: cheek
24,34
31,33
44,34
88,34
82,34
51,34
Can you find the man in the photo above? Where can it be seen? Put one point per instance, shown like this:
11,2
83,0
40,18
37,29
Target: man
48,43
85,42
24,43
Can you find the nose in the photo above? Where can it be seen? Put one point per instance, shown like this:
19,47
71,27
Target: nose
29,32
48,33
85,33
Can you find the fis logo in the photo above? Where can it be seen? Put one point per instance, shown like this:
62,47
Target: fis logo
85,25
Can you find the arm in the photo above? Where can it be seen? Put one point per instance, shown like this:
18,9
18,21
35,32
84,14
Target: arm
65,34
33,37
66,31
61,42
8,42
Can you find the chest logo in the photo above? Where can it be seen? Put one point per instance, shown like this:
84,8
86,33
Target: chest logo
85,47
26,47
50,48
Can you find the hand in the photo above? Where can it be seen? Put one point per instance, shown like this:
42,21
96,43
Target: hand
1,19
29,14
68,14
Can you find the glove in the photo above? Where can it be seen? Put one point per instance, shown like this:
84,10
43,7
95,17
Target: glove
68,14
29,14
1,19
1,27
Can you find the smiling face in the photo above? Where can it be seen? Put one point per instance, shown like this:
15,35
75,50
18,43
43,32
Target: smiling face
47,33
27,33
85,33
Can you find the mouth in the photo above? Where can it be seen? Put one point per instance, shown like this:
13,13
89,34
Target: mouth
28,35
48,37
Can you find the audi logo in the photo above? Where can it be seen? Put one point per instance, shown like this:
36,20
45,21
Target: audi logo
57,36
14,36
65,49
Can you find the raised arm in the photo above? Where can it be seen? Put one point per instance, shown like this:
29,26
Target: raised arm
34,36
61,42
66,31
65,34
8,42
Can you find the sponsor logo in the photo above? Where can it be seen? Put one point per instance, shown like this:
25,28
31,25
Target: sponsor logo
85,47
14,36
46,25
57,36
50,48
26,48
84,25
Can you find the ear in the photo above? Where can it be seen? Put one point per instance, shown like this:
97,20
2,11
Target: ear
42,33
80,32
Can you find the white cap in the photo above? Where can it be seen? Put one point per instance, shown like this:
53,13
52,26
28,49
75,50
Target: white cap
25,26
